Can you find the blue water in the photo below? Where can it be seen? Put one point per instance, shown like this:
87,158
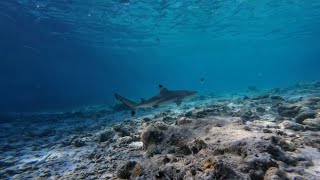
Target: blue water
57,54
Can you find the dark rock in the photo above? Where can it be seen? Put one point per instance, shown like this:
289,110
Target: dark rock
105,136
11,172
201,114
289,111
169,172
168,119
275,151
279,119
160,138
256,174
261,97
166,160
289,169
282,143
160,175
261,110
125,170
277,98
221,171
6,147
312,122
193,171
313,141
146,119
183,120
197,145
265,130
291,125
247,128
260,163
248,115
305,115
4,164
153,134
184,150
120,130
152,150
45,174
314,100
189,114
78,142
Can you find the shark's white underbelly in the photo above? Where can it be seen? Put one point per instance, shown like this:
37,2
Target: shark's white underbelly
148,105
168,101
157,103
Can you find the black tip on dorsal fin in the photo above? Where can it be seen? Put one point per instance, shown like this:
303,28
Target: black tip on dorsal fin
143,100
162,88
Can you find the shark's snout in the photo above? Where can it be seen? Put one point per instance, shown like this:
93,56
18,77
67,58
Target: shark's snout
190,94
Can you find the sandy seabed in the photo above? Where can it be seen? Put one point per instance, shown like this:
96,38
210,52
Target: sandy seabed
271,134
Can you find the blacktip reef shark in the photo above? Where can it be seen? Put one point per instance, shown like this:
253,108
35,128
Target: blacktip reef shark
164,97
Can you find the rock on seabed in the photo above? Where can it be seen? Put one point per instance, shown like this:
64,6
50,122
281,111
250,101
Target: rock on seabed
271,134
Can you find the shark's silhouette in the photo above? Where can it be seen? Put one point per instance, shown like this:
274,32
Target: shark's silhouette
164,97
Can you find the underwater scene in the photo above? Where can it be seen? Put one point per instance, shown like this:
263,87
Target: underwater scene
160,89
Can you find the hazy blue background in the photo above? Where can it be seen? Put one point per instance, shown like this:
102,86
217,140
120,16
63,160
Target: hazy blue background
60,54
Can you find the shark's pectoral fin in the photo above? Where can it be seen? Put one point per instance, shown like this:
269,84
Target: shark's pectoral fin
155,106
178,102
133,113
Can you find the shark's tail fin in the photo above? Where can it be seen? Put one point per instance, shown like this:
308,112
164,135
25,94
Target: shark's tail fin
130,104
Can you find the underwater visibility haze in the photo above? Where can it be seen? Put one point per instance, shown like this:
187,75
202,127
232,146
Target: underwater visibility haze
225,89
58,54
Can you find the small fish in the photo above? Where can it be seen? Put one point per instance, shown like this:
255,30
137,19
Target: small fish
31,48
202,80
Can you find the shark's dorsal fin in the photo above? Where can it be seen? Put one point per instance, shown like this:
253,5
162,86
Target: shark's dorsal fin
178,102
143,100
162,88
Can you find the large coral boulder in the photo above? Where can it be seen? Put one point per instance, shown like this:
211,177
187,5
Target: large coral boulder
160,138
130,169
274,173
305,115
312,122
291,125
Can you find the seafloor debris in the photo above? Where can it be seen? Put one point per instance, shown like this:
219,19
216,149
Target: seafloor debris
271,135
